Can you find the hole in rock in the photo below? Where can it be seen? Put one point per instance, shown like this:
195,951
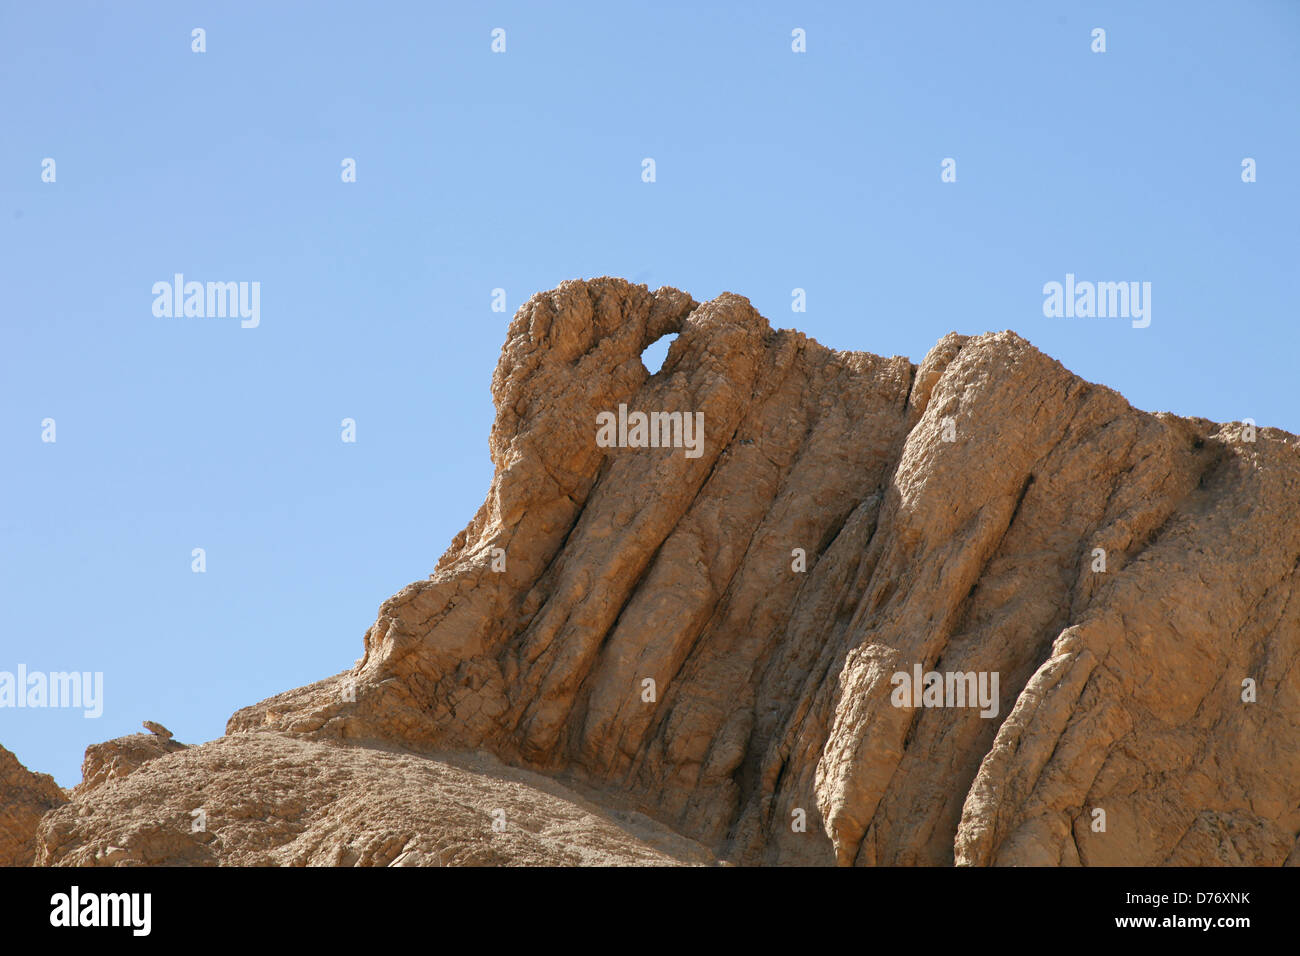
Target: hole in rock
656,352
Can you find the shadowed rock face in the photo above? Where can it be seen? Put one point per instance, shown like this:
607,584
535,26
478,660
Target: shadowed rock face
950,516
25,797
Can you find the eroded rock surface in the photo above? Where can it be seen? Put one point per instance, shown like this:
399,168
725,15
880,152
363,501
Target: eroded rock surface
278,800
712,641
25,797
121,757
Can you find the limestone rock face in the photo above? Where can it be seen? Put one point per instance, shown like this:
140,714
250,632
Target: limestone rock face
716,640
25,797
951,516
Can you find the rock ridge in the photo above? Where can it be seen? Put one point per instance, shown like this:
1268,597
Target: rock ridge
713,641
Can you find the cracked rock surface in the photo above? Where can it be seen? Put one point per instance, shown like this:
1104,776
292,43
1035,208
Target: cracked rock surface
711,641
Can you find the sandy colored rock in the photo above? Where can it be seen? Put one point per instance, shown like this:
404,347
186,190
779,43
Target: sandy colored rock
156,728
25,797
121,757
713,641
278,800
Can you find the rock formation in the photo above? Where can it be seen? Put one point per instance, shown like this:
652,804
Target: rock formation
156,729
121,757
25,797
713,640
280,800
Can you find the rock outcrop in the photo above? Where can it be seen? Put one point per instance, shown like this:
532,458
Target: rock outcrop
25,797
156,729
713,639
121,757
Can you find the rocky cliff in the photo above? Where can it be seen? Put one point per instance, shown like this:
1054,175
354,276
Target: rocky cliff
975,611
25,797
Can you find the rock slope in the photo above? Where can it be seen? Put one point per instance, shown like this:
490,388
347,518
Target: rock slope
280,800
714,640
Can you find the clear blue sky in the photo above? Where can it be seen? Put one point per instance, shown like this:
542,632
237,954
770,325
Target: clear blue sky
476,170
